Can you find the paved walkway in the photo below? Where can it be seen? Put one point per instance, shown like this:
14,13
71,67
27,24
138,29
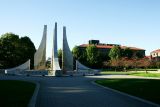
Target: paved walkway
79,92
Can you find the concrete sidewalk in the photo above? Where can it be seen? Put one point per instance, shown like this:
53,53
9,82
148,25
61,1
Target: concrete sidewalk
80,92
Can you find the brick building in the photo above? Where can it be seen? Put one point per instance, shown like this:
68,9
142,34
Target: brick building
105,48
155,55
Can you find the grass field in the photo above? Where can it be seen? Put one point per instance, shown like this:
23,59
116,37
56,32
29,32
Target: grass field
115,73
15,93
143,74
145,88
146,74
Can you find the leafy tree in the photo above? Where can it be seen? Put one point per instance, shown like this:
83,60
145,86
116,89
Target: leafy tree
76,52
115,53
60,53
8,53
60,57
139,55
145,63
15,51
28,48
126,63
115,63
127,52
157,64
93,56
79,54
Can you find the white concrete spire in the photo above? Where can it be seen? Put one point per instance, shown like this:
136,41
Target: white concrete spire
40,55
67,57
55,62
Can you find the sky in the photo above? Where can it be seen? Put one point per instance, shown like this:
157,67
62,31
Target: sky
134,23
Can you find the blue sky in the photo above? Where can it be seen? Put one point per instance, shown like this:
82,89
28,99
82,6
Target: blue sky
127,22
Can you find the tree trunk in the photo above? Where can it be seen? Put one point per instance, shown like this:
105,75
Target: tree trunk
115,70
146,70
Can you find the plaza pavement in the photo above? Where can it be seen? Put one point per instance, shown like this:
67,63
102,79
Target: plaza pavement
78,91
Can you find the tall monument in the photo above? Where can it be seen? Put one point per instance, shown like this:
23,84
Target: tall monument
67,57
56,70
40,55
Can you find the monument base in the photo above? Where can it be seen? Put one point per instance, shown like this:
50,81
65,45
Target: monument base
58,73
35,72
83,72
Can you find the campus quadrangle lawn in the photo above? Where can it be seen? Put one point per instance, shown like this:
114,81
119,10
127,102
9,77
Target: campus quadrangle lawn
142,74
146,74
15,93
148,89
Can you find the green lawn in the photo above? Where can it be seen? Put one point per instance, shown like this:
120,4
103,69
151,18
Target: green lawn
15,93
146,74
143,74
115,73
145,88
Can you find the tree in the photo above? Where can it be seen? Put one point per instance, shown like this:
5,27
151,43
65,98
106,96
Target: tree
136,63
15,51
139,55
76,53
157,64
79,54
126,63
93,56
115,63
60,53
127,52
60,57
145,63
8,53
115,53
27,49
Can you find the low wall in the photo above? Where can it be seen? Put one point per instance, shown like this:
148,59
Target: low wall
82,72
2,71
35,72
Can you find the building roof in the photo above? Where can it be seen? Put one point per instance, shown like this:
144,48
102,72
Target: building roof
155,51
109,46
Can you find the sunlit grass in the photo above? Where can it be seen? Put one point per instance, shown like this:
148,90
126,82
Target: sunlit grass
143,74
146,74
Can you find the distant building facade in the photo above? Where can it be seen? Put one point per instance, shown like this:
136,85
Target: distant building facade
105,48
155,55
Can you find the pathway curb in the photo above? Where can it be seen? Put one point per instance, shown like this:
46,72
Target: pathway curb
32,102
125,94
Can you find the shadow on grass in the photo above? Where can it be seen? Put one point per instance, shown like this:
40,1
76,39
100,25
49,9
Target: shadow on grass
15,93
148,89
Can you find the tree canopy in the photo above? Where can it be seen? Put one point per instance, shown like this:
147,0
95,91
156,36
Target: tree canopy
60,57
15,51
127,52
115,53
79,54
93,56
